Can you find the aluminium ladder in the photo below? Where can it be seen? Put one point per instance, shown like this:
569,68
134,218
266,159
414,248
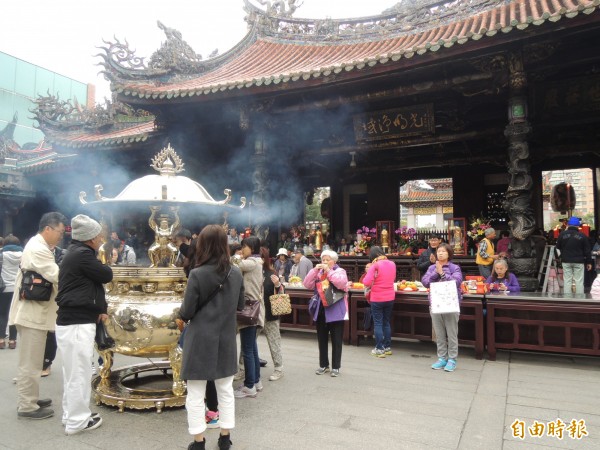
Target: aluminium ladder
548,263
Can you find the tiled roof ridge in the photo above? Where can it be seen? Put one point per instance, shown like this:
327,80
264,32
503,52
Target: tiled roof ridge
140,132
408,16
301,65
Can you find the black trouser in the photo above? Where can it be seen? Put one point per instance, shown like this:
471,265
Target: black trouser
211,396
5,301
50,352
324,329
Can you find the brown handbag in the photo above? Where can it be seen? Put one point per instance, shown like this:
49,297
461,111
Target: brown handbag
249,315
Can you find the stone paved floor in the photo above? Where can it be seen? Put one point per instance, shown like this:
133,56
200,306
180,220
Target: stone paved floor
394,403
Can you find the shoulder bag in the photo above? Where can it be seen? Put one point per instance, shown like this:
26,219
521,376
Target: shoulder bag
203,304
280,303
328,293
250,314
368,288
35,287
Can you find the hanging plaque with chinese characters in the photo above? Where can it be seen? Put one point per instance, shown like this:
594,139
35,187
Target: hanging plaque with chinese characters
416,120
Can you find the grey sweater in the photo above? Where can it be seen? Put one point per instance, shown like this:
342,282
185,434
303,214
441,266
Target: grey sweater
252,270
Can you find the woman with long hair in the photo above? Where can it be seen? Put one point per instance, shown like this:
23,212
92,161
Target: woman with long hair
10,260
213,294
501,279
272,283
380,278
251,266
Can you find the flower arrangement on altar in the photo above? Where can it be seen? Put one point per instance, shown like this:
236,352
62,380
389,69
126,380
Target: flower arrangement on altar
405,237
298,234
365,237
478,227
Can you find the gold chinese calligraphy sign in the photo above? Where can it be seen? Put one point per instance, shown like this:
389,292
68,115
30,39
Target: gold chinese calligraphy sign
416,120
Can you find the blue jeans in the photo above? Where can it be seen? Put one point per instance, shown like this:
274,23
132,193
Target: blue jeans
381,312
250,355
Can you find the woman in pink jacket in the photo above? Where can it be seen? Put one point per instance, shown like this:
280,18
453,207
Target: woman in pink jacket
380,278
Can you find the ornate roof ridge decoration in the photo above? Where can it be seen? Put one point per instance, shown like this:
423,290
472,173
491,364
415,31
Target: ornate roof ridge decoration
167,161
7,141
174,59
405,17
54,114
120,137
267,63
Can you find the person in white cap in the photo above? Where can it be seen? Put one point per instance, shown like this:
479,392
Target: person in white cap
283,264
81,305
34,319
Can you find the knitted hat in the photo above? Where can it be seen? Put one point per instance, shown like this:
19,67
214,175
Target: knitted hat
84,228
574,221
489,231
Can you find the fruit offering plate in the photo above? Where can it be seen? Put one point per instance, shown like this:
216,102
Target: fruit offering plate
410,286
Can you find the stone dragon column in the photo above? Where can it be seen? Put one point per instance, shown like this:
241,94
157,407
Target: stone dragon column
519,192
259,182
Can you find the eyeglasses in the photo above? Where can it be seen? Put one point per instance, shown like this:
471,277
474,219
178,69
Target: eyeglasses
61,232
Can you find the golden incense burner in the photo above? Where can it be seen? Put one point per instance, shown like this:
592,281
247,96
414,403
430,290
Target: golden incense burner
144,302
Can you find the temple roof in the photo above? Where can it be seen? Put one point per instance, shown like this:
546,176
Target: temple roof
105,126
31,157
84,139
281,49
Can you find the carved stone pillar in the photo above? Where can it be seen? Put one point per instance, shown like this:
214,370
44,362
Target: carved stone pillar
519,192
259,181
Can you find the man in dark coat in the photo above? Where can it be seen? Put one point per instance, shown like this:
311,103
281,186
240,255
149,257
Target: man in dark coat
81,305
575,254
428,257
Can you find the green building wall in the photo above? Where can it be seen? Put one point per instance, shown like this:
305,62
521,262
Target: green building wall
21,83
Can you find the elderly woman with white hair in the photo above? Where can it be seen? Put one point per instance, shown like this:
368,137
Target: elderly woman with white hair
330,319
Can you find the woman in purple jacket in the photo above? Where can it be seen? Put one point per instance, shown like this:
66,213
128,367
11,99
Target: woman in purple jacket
445,325
329,320
501,280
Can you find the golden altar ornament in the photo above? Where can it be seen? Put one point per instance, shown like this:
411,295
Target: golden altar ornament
144,302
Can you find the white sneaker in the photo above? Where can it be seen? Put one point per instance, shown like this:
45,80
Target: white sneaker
276,375
259,386
240,375
244,391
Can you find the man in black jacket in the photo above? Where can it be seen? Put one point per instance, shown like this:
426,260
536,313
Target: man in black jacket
575,253
81,304
429,257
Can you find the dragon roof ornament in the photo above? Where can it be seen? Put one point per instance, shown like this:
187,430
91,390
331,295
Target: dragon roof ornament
54,114
175,57
406,16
